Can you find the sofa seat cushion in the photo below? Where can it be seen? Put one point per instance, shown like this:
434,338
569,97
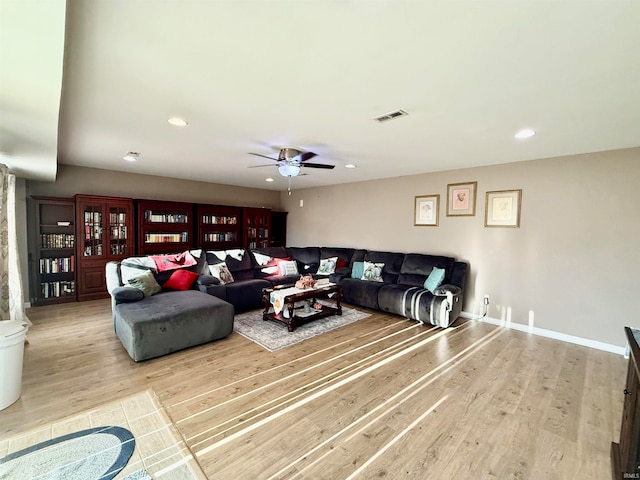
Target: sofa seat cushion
246,294
360,292
171,321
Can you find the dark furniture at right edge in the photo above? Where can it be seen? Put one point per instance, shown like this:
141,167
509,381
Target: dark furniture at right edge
625,456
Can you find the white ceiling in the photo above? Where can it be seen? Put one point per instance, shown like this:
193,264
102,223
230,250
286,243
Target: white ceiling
249,75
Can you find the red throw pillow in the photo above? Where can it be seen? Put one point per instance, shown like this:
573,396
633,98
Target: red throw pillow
341,263
181,280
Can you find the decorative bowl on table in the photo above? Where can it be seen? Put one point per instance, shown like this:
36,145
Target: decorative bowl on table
306,281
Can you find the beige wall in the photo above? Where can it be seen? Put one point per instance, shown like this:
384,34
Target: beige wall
572,266
72,180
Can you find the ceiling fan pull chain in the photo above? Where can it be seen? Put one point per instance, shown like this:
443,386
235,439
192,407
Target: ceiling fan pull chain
289,189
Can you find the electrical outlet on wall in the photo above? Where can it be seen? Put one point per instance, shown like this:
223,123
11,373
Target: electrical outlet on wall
485,300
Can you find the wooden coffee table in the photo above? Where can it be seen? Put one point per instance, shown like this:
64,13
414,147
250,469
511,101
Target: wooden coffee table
299,295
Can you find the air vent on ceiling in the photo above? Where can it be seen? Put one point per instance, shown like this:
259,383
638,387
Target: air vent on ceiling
390,116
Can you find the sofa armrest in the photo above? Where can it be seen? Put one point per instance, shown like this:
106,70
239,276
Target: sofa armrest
126,295
443,289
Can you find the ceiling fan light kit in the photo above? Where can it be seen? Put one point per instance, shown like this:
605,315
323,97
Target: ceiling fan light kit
288,170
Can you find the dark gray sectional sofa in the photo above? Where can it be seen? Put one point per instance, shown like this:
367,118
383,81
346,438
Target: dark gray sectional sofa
142,324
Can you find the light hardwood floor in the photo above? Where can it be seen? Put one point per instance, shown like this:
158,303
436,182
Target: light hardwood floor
383,397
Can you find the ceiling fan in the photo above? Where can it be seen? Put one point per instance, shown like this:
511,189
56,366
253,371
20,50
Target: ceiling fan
290,160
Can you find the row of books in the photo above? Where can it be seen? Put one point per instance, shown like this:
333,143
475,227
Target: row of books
119,232
220,237
150,216
57,289
166,237
57,265
92,231
115,218
91,218
57,240
93,250
217,220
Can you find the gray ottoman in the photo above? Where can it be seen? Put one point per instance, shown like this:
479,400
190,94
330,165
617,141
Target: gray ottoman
171,321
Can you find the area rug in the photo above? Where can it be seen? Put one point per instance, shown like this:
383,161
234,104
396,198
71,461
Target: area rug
273,335
129,439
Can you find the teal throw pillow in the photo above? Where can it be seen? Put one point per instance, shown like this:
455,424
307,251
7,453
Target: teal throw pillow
434,280
357,270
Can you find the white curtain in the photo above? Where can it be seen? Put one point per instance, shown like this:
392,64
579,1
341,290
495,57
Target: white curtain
11,294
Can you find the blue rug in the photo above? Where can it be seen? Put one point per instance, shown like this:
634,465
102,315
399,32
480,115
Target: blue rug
93,454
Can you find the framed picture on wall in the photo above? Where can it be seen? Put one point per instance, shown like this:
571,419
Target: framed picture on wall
425,210
461,199
502,208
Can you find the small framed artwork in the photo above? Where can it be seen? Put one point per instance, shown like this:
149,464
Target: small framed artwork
426,209
461,199
503,208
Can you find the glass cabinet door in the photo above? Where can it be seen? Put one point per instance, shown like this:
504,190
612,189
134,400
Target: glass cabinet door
118,233
92,241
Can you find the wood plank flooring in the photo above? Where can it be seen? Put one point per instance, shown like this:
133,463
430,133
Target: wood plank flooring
383,397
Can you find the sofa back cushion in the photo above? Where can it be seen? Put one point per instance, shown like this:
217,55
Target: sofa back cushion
392,263
307,258
416,268
239,262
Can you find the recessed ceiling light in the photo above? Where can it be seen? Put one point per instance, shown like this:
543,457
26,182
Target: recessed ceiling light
178,122
268,179
525,133
349,165
131,156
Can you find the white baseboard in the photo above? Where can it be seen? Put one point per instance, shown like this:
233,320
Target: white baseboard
586,342
27,304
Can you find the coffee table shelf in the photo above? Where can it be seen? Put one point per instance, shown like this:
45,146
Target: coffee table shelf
293,320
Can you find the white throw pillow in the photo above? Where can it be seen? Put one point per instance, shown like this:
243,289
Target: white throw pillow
327,266
221,272
288,268
372,272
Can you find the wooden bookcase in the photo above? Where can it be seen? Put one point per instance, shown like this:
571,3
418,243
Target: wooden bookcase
625,455
53,269
218,227
164,227
256,227
279,229
104,228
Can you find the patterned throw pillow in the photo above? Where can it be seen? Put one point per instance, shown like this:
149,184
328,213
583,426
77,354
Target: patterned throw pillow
145,282
327,266
221,272
288,268
372,272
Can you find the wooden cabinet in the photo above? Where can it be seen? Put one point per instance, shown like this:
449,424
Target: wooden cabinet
53,269
279,229
256,227
218,227
104,228
625,456
164,227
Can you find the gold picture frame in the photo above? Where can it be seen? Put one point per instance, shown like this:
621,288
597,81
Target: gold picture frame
502,208
461,199
425,210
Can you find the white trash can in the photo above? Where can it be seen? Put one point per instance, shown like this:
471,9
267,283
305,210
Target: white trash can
12,336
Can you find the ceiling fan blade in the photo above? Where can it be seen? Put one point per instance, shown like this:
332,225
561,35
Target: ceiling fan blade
258,166
260,155
318,165
304,156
